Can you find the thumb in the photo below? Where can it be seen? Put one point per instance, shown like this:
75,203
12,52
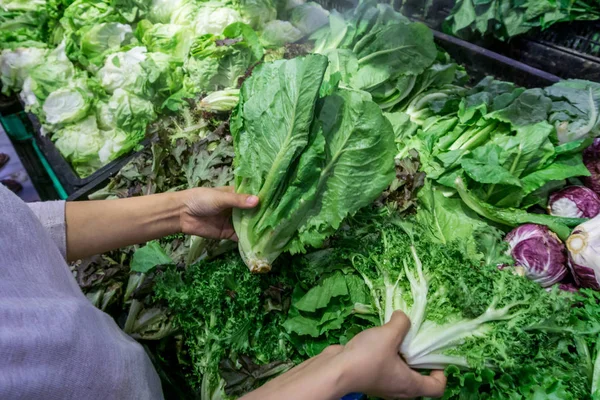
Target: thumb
226,200
399,324
433,385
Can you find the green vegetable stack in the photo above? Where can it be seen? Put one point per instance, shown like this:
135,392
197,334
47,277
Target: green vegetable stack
98,73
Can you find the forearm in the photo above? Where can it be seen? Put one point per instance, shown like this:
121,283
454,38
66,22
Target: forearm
320,378
94,227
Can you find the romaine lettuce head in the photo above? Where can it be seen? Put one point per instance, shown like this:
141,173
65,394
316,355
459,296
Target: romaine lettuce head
278,33
312,162
214,17
15,66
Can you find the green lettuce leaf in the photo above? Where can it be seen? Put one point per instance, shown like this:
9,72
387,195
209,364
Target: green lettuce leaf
311,162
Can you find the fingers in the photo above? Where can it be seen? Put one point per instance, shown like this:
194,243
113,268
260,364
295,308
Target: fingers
433,385
226,199
400,325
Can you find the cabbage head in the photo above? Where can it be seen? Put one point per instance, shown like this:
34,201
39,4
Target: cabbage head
213,17
171,39
68,104
99,40
15,66
80,143
278,33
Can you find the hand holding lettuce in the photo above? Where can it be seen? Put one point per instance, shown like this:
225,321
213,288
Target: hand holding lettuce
312,161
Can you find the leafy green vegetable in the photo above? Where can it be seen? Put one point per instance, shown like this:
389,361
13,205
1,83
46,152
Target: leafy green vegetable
15,66
277,33
505,19
301,156
373,48
487,327
226,313
148,257
514,217
217,62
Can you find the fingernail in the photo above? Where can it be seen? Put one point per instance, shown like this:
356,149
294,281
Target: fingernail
252,200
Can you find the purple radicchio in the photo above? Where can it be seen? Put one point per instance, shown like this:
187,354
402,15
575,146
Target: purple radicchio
591,159
539,252
574,202
584,254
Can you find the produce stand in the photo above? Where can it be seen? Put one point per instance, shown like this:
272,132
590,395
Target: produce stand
401,169
480,62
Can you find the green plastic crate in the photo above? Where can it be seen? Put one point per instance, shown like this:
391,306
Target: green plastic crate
15,127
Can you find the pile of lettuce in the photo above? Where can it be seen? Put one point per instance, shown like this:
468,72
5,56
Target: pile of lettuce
505,19
503,148
97,73
497,334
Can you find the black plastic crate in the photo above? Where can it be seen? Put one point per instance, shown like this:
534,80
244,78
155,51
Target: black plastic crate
582,37
69,179
481,62
9,104
570,50
35,169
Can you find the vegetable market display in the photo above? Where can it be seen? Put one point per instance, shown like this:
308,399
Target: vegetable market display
97,73
388,181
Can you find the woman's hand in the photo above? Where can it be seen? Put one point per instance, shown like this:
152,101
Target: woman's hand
368,364
375,368
207,212
94,227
